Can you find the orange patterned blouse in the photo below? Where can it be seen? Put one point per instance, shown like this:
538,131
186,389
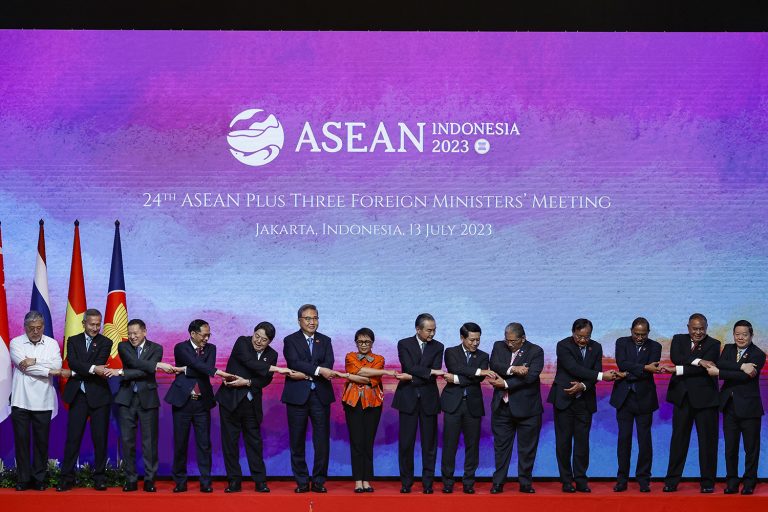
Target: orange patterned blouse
369,395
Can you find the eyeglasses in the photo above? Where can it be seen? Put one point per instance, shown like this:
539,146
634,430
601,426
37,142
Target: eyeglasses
310,318
580,338
363,342
260,339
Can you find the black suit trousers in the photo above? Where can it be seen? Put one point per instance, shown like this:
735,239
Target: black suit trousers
683,419
320,416
735,429
627,416
362,425
39,422
427,425
79,412
505,427
572,426
195,415
456,424
245,420
130,418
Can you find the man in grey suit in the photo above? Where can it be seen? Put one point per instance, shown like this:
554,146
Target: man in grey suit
138,402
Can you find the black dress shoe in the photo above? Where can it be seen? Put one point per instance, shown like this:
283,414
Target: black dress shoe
583,488
731,490
645,488
100,487
359,490
469,490
670,488
63,487
262,487
427,490
233,488
22,486
318,488
527,489
206,489
130,487
747,490
149,486
368,489
447,489
180,488
405,489
301,488
497,489
620,487
568,488
707,490
39,486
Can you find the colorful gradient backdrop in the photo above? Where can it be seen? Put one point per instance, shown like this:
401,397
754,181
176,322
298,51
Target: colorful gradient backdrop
670,126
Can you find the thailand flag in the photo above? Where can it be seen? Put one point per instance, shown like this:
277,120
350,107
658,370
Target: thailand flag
40,301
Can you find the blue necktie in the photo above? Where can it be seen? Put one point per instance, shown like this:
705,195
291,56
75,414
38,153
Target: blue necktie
583,352
309,343
88,341
138,356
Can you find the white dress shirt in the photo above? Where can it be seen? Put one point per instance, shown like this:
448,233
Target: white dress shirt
32,389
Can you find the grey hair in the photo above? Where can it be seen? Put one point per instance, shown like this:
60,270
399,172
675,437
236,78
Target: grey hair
33,316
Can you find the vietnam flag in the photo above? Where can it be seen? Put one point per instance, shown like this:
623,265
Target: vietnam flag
116,312
76,304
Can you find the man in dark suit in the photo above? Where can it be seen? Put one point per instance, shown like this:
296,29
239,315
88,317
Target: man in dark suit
139,403
88,396
418,400
739,367
254,362
635,400
462,403
516,405
308,396
191,396
694,396
579,368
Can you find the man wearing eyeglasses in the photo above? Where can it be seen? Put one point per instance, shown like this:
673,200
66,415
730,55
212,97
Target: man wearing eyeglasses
308,396
579,369
694,396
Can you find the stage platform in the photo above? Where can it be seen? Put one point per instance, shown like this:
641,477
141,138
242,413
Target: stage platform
386,497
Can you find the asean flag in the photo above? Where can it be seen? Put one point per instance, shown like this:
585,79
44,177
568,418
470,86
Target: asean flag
116,312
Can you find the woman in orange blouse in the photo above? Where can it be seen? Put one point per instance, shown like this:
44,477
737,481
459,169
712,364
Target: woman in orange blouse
363,397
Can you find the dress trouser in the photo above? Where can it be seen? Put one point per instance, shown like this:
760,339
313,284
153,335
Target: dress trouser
362,425
195,415
505,427
427,425
683,418
572,426
455,424
245,420
40,424
79,412
627,416
320,416
130,417
735,429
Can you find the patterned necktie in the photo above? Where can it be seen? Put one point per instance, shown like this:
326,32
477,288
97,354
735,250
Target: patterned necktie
740,353
196,389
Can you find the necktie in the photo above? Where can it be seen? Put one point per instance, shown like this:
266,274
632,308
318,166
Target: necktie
138,356
422,344
468,354
196,389
310,341
88,341
583,352
741,353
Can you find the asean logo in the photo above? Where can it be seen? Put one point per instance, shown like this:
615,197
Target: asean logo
255,138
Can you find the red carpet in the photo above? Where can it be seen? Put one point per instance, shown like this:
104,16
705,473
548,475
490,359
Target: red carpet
387,497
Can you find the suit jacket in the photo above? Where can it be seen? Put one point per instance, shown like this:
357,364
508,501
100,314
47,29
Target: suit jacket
524,392
299,358
572,367
199,370
423,385
80,360
629,360
139,371
453,394
737,385
695,383
244,362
